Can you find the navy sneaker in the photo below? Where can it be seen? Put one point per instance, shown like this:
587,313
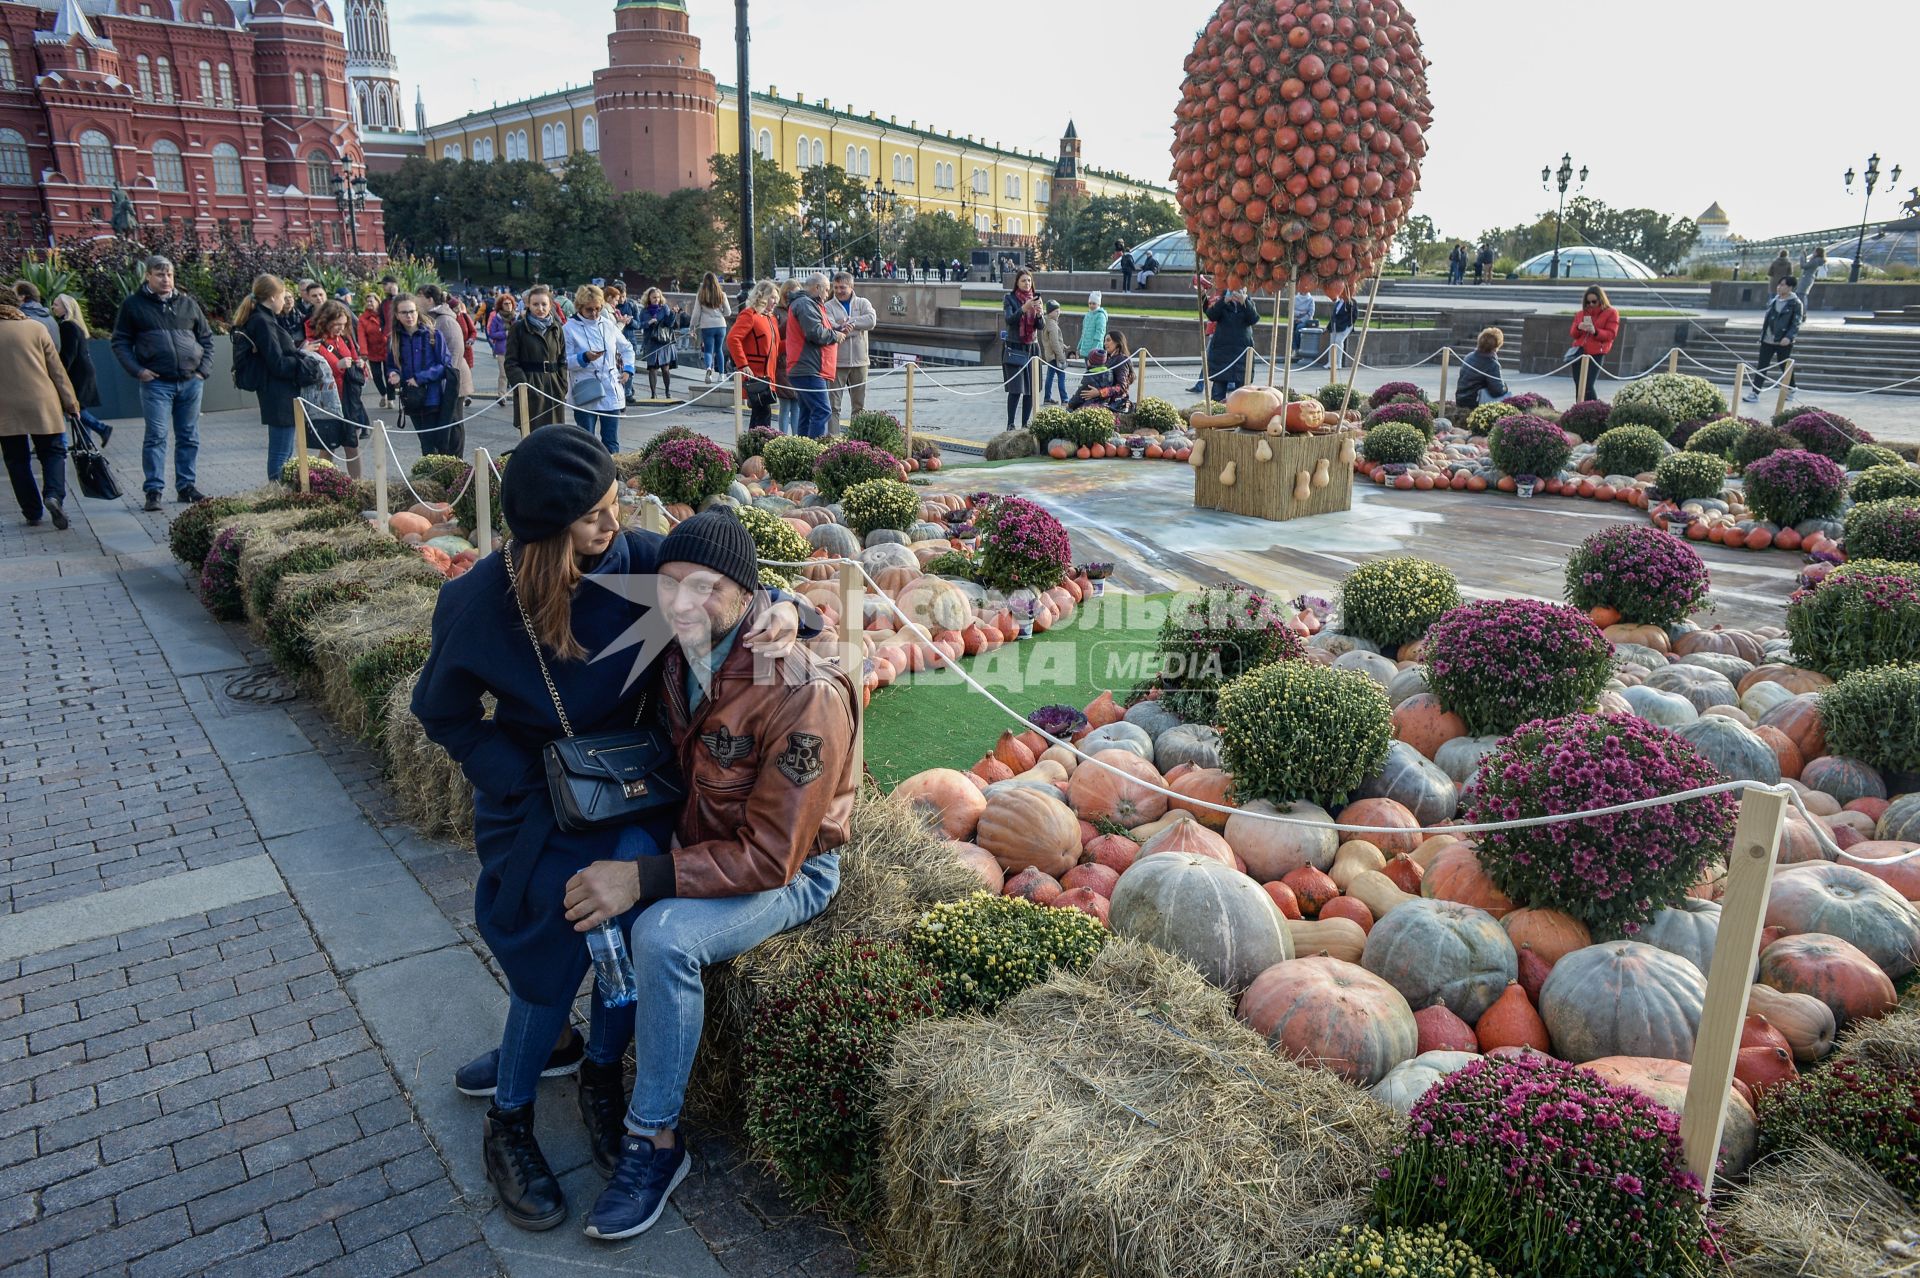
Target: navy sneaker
636,1196
479,1075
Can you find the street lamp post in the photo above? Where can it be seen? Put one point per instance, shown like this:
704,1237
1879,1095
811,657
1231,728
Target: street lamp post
741,36
1565,176
1872,176
350,195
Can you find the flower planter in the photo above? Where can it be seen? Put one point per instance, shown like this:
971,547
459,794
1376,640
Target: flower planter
1524,487
1026,626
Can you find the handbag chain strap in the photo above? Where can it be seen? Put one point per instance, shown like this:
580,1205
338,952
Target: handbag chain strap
526,622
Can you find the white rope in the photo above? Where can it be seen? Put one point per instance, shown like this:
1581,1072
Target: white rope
407,479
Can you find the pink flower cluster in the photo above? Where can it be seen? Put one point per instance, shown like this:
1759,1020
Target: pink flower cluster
1022,544
1793,485
1587,419
1393,390
1647,576
1499,662
1828,434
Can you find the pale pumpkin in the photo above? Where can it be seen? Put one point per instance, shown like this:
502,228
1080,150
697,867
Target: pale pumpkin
1193,743
1190,837
1622,998
1354,858
1408,1081
1847,902
1734,750
1411,780
1118,736
1664,1082
1804,1021
1550,933
1688,929
1023,827
1120,791
1274,849
1337,938
1434,951
1210,914
1331,1014
1380,894
946,797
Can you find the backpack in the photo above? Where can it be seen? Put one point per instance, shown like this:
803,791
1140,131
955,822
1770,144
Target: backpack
249,373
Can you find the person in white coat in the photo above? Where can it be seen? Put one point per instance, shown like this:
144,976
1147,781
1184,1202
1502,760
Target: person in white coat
599,365
850,375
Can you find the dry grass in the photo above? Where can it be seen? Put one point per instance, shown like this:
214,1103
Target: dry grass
401,615
435,795
268,556
1115,1122
1812,1212
1892,1041
892,870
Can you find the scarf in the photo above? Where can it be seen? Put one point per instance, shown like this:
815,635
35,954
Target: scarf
538,323
1027,324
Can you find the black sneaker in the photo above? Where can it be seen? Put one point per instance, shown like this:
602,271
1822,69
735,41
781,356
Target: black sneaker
479,1075
603,1108
528,1191
631,1204
153,502
190,494
58,514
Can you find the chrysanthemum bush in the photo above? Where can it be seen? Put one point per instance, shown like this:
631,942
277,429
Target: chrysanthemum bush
190,535
1090,425
1858,1107
1155,414
1684,398
1864,613
1717,437
1295,730
1212,638
1587,419
1387,392
880,503
1881,481
1828,434
813,1064
1628,450
1874,715
847,462
882,430
774,539
1545,1169
1760,441
1481,419
1690,476
1498,663
1051,423
1426,1252
1645,575
988,948
323,477
440,469
1867,456
1394,443
1337,397
1528,445
1022,545
791,457
1610,872
1792,486
1532,402
1391,601
1416,415
687,471
754,442
1887,529
1649,415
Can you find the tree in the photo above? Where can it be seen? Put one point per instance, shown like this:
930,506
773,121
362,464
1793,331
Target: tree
1065,228
939,237
776,197
1419,240
1659,240
1080,232
829,200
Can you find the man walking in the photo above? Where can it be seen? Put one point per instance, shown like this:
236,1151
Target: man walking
1778,327
162,338
813,352
1483,265
1779,269
856,313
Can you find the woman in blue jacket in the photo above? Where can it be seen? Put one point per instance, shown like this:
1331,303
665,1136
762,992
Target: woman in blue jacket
418,362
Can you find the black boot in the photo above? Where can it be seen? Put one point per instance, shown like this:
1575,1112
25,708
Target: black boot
603,1108
518,1171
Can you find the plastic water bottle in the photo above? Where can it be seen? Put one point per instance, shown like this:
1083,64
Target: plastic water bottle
612,965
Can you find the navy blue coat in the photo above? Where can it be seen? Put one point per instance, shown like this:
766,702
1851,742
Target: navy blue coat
480,646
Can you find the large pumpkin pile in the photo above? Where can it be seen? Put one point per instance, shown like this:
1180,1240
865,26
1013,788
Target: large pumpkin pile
1298,139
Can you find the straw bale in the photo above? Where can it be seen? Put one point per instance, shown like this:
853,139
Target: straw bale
1813,1212
434,794
1892,1041
303,599
1118,1121
264,559
392,626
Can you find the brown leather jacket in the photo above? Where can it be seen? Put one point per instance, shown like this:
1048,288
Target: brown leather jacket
770,771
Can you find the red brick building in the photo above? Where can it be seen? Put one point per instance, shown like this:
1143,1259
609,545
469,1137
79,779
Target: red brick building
207,113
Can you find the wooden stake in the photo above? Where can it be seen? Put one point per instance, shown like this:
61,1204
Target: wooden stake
1366,327
1140,375
482,503
1246,370
1286,372
522,411
1582,372
380,472
1673,360
1446,361
1756,840
1034,372
1786,388
653,516
852,593
300,442
1739,384
739,408
1206,374
912,366
1273,335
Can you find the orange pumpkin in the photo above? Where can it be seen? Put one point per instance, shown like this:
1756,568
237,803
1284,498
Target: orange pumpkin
1831,970
1804,1021
1902,876
1023,827
1343,907
1102,711
948,796
991,770
1549,933
1118,792
1115,851
1795,679
1511,1022
1311,887
1654,637
1733,643
1332,1014
1800,720
1033,884
1202,785
1534,972
1304,416
1442,1031
1456,875
1604,616
1190,837
1382,813
1011,751
1284,898
1783,749
1422,723
981,862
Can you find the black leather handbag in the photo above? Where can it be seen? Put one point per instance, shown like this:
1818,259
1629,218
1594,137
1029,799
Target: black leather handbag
608,779
90,466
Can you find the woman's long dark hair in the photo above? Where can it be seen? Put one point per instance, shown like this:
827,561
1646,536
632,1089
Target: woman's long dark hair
547,575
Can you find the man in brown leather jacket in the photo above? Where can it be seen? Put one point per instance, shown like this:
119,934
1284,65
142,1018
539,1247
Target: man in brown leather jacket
770,769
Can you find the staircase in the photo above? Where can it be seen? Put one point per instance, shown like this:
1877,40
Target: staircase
1825,359
1908,317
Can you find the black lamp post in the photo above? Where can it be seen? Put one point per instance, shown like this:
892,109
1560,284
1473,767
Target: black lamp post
1872,176
1565,176
350,195
741,36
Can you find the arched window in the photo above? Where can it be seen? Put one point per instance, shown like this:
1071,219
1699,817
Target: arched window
819,153
800,152
319,173
910,168
850,165
16,168
6,66
765,147
168,173
980,182
96,158
866,162
299,96
546,141
1013,226
226,85
163,71
451,151
1042,191
206,82
560,138
144,71
226,170
316,95
589,134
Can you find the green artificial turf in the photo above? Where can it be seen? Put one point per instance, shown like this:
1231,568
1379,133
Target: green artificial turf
932,720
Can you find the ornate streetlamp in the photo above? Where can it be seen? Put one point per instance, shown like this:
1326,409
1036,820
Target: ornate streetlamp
1565,176
1872,176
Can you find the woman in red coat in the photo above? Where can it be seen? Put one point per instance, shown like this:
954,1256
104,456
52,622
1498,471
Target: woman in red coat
373,338
752,343
1593,332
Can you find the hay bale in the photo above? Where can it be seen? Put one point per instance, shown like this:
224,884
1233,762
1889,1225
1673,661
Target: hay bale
265,560
1892,1041
364,649
303,599
1012,444
892,870
1815,1211
1118,1121
435,796
220,586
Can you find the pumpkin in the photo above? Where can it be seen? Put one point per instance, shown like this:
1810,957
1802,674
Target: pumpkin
945,796
1688,929
1622,998
1192,743
1334,1015
1284,898
1304,416
1534,971
1274,849
408,524
1460,758
1795,679
1440,950
1511,1022
1759,698
1456,875
1847,902
981,862
1117,792
1118,736
1350,908
1353,859
1699,685
1852,985
1023,827
1408,1081
1380,894
991,770
1764,1068
1153,717
1800,720
1412,782
1256,406
1404,687
1738,753
1013,752
1191,837
1033,884
1549,933
1091,874
1902,876
1069,761
838,540
1758,1031
1210,914
1647,636
1405,873
1845,779
1198,787
1798,842
1732,643
1804,1021
1786,754
1382,813
1422,723
1901,820
1102,710
1312,888
1339,938
1664,1082
1441,1031
1116,851
1085,900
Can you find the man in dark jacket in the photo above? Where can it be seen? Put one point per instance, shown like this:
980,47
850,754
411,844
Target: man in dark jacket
162,338
1778,327
1233,318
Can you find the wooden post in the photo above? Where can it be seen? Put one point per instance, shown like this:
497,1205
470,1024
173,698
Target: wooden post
522,410
1366,327
1139,375
380,472
907,420
1739,384
1446,361
1673,360
739,408
1286,373
482,503
653,516
1273,336
1582,371
1756,840
852,596
300,442
1035,369
1786,388
1246,368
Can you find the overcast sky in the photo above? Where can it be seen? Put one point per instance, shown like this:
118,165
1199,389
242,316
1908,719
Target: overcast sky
1672,103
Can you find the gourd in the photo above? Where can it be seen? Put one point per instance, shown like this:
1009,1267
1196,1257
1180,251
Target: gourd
1199,453
1192,743
1422,723
1302,486
1664,1082
1378,893
1456,875
1338,938
1331,1014
1023,827
1901,820
1203,785
981,862
1382,813
1804,1021
1800,720
1647,636
1688,929
1408,1081
1622,998
1013,752
1190,837
1263,452
1851,985
1430,849
1847,902
1699,685
1273,849
1352,859
1321,473
1738,753
1214,421
1119,791
1550,933
1845,779
1441,1031
1210,914
1119,736
1410,780
1229,474
1733,643
1347,451
946,795
1434,950
1511,1022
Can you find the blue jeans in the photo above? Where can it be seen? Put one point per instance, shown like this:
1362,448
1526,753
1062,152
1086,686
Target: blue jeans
673,941
20,451
279,450
607,425
1054,375
177,404
533,1029
713,344
816,410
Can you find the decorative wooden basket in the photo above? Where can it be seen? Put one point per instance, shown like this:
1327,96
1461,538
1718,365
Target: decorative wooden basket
1259,474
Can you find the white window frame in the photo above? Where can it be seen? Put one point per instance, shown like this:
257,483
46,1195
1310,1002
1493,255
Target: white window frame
229,177
91,155
169,170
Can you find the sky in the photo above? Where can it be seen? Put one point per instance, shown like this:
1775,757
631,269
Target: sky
1672,104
